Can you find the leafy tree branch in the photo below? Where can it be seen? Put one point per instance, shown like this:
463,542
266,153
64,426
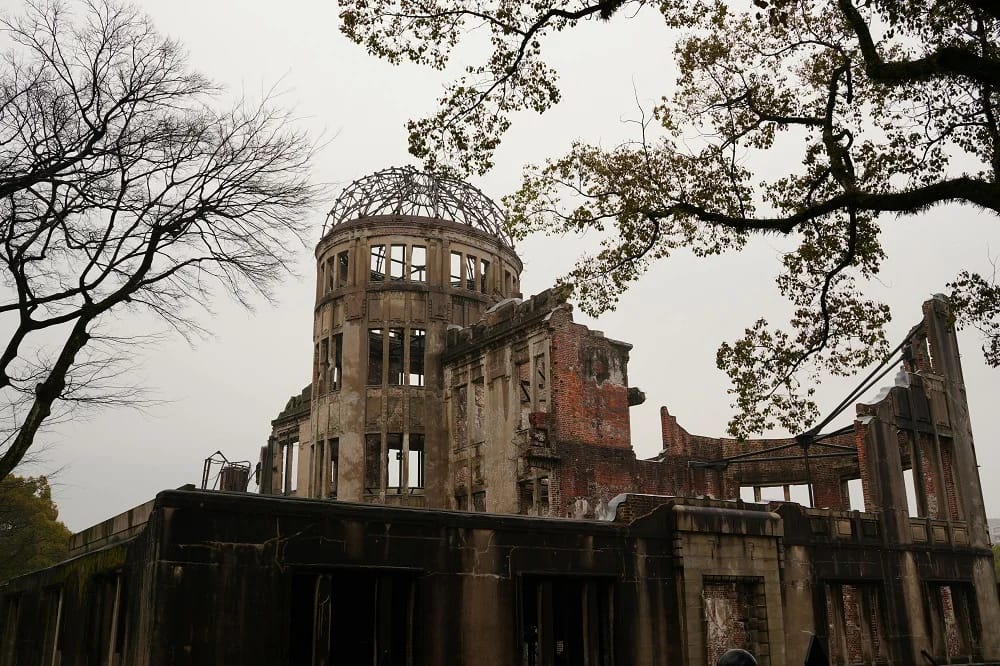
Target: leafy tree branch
880,110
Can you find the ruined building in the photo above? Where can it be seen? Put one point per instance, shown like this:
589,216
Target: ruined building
433,384
442,406
405,257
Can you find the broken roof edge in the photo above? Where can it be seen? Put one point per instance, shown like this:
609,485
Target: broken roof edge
503,318
512,313
644,505
296,405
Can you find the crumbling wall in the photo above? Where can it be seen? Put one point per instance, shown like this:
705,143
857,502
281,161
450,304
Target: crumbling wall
549,399
720,467
735,614
287,449
589,476
855,624
589,384
498,399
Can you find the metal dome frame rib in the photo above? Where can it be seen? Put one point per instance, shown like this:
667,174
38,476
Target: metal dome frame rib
407,191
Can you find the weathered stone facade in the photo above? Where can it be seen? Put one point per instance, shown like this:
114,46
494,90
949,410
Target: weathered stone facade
441,405
388,288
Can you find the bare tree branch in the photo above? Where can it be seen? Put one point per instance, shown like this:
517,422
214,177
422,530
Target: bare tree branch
122,188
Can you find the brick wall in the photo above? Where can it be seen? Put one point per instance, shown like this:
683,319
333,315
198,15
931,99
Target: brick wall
735,618
597,474
949,480
579,422
961,632
828,475
854,624
861,439
953,635
589,385
925,452
595,471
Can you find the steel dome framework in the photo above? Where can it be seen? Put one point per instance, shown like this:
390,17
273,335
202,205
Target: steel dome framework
407,191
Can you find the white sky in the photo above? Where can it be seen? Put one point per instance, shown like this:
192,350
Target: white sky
222,393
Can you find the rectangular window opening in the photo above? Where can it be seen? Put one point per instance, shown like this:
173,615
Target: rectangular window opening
952,489
324,364
541,384
334,469
375,344
856,493
377,266
799,493
912,507
855,626
105,622
338,361
397,262
121,622
484,272
479,501
418,337
373,470
395,356
415,467
460,409
543,496
343,267
789,492
773,493
526,497
523,382
418,264
477,428
456,269
317,378
470,272
734,615
291,479
394,461
11,620
318,469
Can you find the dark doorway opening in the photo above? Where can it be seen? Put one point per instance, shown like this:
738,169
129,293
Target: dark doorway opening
566,621
351,617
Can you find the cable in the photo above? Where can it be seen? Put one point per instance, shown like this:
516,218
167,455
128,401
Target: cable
876,375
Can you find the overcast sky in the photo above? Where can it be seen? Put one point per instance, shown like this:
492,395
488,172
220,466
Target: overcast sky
222,393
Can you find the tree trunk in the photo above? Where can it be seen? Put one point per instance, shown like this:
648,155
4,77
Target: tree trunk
46,394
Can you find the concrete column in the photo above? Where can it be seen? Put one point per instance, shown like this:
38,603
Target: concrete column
947,362
884,474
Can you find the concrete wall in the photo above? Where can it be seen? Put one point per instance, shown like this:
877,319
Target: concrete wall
355,418
533,399
219,578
